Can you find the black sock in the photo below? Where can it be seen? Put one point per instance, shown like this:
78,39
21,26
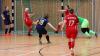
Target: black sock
6,30
29,31
12,28
47,37
40,36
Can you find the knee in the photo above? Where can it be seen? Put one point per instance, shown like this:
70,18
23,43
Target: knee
71,40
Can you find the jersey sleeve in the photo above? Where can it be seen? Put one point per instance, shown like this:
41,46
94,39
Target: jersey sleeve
65,17
66,12
47,20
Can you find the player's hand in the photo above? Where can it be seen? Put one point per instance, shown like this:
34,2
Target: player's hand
3,18
56,32
68,7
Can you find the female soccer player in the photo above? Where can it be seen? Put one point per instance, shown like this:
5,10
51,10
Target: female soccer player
84,24
71,22
6,19
28,20
40,27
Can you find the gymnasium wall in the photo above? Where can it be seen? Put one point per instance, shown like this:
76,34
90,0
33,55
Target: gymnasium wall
41,7
97,15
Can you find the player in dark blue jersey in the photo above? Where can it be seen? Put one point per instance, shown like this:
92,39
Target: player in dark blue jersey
40,27
6,18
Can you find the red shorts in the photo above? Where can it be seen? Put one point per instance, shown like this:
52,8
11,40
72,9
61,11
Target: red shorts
28,22
71,32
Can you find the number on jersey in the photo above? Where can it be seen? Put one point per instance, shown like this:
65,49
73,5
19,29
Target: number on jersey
71,22
41,22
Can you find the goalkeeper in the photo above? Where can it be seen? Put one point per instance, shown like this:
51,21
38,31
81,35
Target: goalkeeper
84,25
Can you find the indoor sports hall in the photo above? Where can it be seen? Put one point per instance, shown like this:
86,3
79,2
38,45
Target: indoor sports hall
18,43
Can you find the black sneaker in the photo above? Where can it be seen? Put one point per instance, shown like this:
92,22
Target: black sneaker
29,34
96,35
56,32
89,37
72,54
48,42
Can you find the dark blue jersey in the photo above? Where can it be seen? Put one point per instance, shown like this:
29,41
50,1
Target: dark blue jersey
42,23
6,14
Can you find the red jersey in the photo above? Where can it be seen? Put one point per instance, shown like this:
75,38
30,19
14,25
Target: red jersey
71,25
26,15
71,20
27,19
67,12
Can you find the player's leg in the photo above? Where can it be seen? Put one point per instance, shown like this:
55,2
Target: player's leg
29,30
86,31
6,23
47,36
11,27
92,32
71,45
29,26
40,36
39,31
10,30
6,29
72,41
71,35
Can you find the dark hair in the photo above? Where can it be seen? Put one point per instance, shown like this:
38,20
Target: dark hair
46,16
68,7
71,11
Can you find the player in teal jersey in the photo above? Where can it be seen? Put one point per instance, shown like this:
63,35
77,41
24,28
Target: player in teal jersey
84,25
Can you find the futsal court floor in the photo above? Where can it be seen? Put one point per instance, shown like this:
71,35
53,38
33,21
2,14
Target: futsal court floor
21,45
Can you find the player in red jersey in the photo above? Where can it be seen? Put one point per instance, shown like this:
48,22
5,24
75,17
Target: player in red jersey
66,11
28,21
71,22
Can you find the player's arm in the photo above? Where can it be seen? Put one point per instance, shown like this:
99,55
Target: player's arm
62,10
2,16
67,8
35,22
31,14
63,24
77,20
51,26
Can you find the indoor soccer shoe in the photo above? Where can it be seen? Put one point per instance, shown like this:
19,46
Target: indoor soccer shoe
96,35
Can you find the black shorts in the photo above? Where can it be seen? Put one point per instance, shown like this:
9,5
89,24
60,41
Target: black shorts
7,22
85,30
42,31
12,21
